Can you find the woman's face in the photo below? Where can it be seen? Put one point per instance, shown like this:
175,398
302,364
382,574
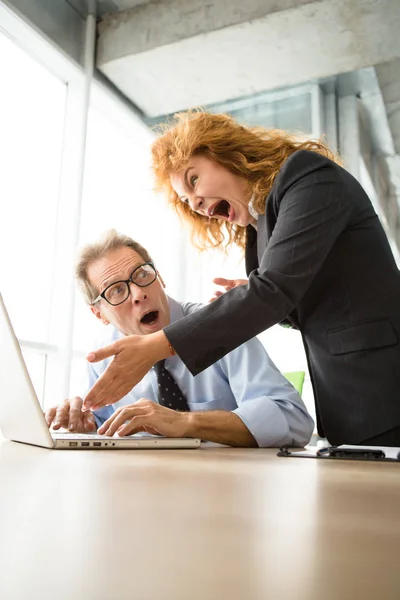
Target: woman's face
212,191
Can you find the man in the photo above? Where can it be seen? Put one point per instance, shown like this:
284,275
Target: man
241,400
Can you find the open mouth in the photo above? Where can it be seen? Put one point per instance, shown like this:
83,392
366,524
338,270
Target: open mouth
221,209
149,318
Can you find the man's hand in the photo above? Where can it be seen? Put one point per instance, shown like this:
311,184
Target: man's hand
228,284
134,355
69,415
147,416
221,426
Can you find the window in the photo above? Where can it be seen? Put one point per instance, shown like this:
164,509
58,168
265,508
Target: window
289,109
40,117
32,105
32,108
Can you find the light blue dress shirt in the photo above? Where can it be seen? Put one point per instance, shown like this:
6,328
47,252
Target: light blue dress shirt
244,381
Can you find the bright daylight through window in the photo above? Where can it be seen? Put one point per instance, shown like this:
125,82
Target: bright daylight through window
32,105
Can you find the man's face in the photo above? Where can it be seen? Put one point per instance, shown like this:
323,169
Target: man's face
145,311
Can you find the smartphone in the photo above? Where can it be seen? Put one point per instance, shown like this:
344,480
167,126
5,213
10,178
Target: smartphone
354,453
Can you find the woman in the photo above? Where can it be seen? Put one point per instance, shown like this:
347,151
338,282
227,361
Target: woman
317,258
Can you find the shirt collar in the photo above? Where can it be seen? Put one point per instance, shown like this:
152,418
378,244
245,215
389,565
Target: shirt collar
176,310
251,208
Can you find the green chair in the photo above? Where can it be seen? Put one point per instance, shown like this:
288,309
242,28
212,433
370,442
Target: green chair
296,378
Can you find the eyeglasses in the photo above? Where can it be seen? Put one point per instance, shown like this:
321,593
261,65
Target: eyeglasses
118,292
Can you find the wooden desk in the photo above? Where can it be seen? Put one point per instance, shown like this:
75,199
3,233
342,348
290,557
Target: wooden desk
209,524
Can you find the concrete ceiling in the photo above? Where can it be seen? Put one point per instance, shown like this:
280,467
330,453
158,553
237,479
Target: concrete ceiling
166,56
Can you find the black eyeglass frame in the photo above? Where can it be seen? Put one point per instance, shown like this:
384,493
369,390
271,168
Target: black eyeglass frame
127,282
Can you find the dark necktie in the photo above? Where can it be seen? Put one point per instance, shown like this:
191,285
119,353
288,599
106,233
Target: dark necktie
169,392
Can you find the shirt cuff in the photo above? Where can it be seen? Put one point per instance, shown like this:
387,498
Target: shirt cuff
265,422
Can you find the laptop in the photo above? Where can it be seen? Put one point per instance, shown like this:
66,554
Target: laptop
22,419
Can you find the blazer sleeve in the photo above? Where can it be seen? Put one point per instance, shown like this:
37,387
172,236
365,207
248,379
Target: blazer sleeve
313,208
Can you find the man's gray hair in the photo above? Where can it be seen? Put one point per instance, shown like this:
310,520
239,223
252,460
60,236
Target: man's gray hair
110,240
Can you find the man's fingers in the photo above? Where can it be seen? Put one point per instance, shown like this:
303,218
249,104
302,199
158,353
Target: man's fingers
49,415
89,421
68,415
104,427
103,353
120,416
119,420
61,418
135,425
75,413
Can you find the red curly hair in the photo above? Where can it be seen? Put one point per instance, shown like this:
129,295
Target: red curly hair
254,153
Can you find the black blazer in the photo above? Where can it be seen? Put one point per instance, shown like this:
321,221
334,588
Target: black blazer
321,261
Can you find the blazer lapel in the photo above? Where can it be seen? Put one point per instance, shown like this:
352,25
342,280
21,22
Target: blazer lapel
251,249
261,236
